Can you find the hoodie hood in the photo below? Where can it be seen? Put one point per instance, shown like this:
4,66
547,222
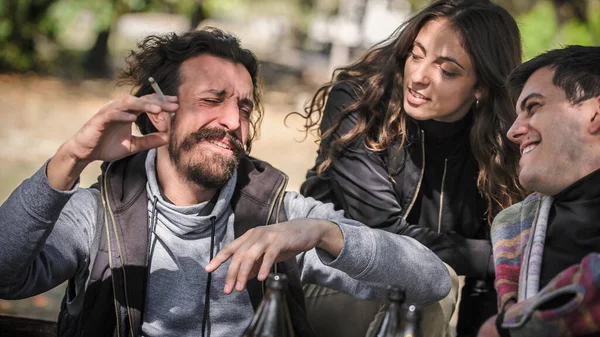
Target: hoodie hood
190,221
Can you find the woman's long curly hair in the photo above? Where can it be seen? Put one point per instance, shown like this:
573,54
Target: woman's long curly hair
491,37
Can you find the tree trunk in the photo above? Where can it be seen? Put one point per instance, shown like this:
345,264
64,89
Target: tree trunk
97,60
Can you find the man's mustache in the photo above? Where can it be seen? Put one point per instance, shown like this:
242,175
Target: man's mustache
213,134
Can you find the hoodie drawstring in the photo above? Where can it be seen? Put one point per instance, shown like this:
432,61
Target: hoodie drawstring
152,232
153,237
209,277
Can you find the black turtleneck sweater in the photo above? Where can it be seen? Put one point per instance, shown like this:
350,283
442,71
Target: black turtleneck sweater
573,227
447,149
360,182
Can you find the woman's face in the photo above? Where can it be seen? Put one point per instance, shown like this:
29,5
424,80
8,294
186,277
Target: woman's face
439,78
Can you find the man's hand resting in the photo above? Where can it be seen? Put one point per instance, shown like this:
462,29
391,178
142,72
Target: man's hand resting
258,249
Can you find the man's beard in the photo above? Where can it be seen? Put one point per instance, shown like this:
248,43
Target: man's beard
205,168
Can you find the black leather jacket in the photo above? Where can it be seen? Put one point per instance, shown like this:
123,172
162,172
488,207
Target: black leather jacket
389,190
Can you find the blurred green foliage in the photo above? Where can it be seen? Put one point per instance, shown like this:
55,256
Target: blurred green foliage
28,25
540,29
31,30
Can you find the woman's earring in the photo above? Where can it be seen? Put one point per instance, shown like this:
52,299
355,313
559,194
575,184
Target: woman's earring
477,103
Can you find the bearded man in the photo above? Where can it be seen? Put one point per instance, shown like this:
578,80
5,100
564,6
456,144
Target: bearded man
138,248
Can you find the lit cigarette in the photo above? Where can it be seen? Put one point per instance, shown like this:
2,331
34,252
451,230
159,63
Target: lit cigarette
159,92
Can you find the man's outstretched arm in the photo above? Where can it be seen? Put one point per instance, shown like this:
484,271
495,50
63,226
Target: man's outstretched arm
359,260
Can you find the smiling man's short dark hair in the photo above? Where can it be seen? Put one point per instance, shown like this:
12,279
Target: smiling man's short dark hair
577,72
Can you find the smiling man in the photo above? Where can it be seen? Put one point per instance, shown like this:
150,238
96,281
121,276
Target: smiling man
546,248
142,250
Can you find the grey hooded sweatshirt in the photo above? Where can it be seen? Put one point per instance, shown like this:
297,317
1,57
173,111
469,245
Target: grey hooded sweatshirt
51,236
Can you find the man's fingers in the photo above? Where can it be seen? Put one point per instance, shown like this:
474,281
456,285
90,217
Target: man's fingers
252,254
146,104
172,99
155,96
123,116
134,105
170,105
149,141
267,262
237,260
249,261
227,252
231,277
222,256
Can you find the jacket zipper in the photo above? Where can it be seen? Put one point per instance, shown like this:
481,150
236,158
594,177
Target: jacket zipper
442,196
416,194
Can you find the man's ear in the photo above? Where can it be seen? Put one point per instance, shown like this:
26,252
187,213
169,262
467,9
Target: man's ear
161,121
594,127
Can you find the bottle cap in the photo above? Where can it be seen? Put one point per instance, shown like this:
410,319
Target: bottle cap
276,281
412,313
396,294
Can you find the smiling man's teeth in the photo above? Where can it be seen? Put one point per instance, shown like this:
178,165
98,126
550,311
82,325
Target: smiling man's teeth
529,148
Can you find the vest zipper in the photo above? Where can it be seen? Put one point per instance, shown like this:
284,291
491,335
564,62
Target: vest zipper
442,195
276,205
108,211
416,194
278,200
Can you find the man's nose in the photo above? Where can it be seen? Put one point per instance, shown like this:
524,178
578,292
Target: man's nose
518,129
230,116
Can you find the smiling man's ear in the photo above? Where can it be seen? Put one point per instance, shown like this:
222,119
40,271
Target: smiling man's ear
594,127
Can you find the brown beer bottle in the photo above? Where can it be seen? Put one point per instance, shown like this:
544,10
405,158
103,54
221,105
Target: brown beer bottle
411,322
388,324
272,318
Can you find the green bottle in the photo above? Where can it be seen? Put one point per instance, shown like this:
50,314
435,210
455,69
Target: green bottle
388,324
411,322
272,318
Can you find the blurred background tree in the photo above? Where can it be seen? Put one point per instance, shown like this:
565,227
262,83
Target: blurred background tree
73,37
548,24
49,49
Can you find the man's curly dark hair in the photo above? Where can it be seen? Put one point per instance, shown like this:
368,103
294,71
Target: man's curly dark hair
160,56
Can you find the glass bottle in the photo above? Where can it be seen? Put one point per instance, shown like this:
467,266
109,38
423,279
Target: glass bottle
388,324
411,322
272,318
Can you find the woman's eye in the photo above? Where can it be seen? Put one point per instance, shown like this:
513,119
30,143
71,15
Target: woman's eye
448,73
414,56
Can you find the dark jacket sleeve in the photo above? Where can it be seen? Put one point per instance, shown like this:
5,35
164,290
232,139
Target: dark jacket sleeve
357,182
